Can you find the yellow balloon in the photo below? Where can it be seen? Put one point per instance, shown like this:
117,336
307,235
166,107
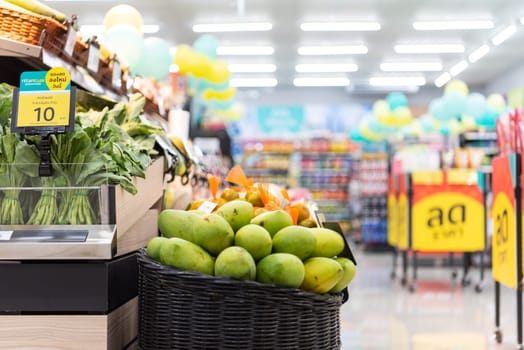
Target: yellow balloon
382,112
234,113
368,134
455,127
402,116
201,66
496,102
219,72
456,85
123,14
468,122
223,95
183,58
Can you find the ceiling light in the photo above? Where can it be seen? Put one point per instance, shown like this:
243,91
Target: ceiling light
252,68
411,66
97,29
335,81
333,50
458,68
232,27
452,25
503,35
429,48
478,53
397,81
326,68
442,79
339,26
253,82
522,21
245,50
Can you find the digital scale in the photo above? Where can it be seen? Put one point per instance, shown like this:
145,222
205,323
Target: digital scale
57,242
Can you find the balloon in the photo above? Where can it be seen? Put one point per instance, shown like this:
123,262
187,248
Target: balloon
496,102
234,113
219,72
123,14
488,119
456,85
219,95
436,108
468,122
356,136
183,58
206,44
475,105
396,99
367,133
219,105
454,104
402,116
126,41
155,60
455,127
200,66
427,123
382,111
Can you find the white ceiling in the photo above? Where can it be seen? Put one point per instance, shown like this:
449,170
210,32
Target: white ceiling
395,16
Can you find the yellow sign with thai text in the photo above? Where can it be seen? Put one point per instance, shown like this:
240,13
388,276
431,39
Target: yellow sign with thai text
504,241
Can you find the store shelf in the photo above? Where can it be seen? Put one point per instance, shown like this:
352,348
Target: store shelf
20,57
479,136
324,171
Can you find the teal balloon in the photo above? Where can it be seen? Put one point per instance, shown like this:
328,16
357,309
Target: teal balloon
156,59
475,105
455,105
426,122
396,100
488,119
219,105
436,108
206,44
126,41
206,84
445,129
356,136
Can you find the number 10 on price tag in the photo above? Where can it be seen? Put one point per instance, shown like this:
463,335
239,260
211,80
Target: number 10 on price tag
44,103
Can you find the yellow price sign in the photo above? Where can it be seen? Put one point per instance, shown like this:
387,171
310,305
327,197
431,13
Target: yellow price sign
392,220
448,221
504,241
44,101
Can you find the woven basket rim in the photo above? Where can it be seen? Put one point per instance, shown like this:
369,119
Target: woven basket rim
16,13
224,281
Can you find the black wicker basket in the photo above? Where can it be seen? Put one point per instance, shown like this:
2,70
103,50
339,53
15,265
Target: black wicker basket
191,311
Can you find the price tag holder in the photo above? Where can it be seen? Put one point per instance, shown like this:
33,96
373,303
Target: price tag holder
43,105
117,75
93,57
69,46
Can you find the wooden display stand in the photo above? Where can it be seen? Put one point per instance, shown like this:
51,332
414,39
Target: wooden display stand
79,304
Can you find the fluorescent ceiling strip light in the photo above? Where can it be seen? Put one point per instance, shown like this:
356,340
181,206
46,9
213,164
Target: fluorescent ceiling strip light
252,67
245,50
308,82
100,28
503,35
453,25
429,48
339,26
458,68
442,79
411,66
232,27
326,68
397,81
522,21
478,53
332,50
253,82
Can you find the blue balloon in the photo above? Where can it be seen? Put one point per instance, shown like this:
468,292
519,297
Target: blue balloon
454,104
206,44
488,119
396,100
356,136
126,41
475,105
156,59
436,108
426,122
445,129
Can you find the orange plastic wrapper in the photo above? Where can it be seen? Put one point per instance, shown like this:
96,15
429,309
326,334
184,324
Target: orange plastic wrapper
237,176
285,194
214,183
293,210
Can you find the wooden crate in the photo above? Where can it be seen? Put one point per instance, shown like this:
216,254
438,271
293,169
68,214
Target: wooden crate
113,331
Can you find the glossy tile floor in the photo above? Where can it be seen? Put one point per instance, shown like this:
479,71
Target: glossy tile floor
439,315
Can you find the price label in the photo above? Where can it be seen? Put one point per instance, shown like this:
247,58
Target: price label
117,75
207,207
70,42
93,58
5,235
504,240
43,102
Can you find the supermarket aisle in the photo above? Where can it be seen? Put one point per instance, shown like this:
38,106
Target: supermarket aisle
382,315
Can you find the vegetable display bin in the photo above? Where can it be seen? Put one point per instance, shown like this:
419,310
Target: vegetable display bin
186,310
